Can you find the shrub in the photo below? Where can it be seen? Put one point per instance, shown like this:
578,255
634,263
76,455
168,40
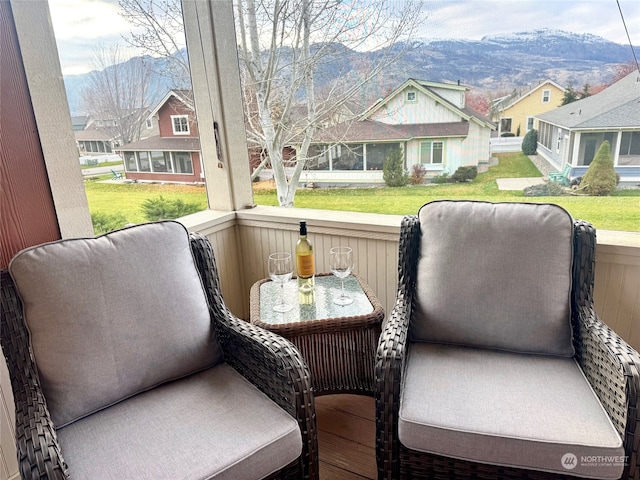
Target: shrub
394,174
550,189
104,222
418,172
161,208
464,174
600,178
508,134
442,178
530,142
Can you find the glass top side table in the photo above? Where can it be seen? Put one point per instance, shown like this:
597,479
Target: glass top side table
338,342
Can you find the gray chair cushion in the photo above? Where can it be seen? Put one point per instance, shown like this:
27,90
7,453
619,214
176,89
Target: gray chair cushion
213,424
495,276
503,408
113,316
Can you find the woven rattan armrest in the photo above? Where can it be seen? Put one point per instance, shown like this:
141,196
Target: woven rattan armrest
389,367
612,368
269,361
608,362
390,357
37,445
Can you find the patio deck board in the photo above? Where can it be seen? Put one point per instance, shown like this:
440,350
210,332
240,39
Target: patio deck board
346,437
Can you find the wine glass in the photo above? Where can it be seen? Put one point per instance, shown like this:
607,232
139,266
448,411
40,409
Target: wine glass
341,266
281,271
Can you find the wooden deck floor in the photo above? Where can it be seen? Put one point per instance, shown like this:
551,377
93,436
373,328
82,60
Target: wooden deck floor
346,437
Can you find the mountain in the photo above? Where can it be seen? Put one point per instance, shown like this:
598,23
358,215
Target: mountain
493,63
508,61
158,87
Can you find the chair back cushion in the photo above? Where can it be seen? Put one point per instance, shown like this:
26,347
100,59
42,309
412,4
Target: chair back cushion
495,275
113,316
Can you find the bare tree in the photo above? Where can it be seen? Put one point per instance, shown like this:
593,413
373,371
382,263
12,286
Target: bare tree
157,29
282,45
117,93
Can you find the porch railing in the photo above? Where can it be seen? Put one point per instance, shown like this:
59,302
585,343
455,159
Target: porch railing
242,241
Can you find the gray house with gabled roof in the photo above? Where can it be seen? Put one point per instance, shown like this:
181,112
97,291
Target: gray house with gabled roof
429,121
569,136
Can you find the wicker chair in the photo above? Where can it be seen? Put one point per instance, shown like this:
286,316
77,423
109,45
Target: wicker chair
439,237
267,361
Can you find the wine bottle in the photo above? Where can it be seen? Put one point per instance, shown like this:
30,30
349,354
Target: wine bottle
304,261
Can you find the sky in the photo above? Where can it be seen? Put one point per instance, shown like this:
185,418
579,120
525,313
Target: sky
80,25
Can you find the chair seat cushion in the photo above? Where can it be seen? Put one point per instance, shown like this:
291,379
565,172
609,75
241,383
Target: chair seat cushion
113,316
495,275
213,424
524,411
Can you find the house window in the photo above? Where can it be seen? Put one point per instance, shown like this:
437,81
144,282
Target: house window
505,125
411,96
143,162
530,123
546,96
180,124
182,162
161,162
432,153
629,149
149,123
317,158
376,154
130,162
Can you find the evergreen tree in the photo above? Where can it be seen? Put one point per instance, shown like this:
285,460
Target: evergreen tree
601,178
394,173
570,95
530,142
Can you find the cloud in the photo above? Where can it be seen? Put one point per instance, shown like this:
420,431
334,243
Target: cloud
474,19
81,24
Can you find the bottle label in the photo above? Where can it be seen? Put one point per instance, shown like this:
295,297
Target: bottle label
306,266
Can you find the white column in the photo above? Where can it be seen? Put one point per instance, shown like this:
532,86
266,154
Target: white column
215,76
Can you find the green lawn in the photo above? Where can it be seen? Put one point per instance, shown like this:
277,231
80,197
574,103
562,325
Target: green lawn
620,211
126,199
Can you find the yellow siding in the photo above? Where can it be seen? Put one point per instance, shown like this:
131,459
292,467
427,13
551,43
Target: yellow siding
531,105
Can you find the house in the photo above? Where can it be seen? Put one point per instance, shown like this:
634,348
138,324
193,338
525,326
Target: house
98,136
79,122
428,120
571,135
515,113
173,155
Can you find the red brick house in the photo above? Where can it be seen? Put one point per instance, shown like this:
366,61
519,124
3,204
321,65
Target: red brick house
174,155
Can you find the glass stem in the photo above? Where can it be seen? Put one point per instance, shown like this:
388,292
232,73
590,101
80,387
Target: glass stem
342,282
282,294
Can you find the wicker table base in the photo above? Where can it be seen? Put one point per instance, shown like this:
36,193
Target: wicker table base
338,343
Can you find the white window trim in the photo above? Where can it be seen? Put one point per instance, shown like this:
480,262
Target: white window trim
415,96
504,119
547,93
173,124
533,123
430,163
